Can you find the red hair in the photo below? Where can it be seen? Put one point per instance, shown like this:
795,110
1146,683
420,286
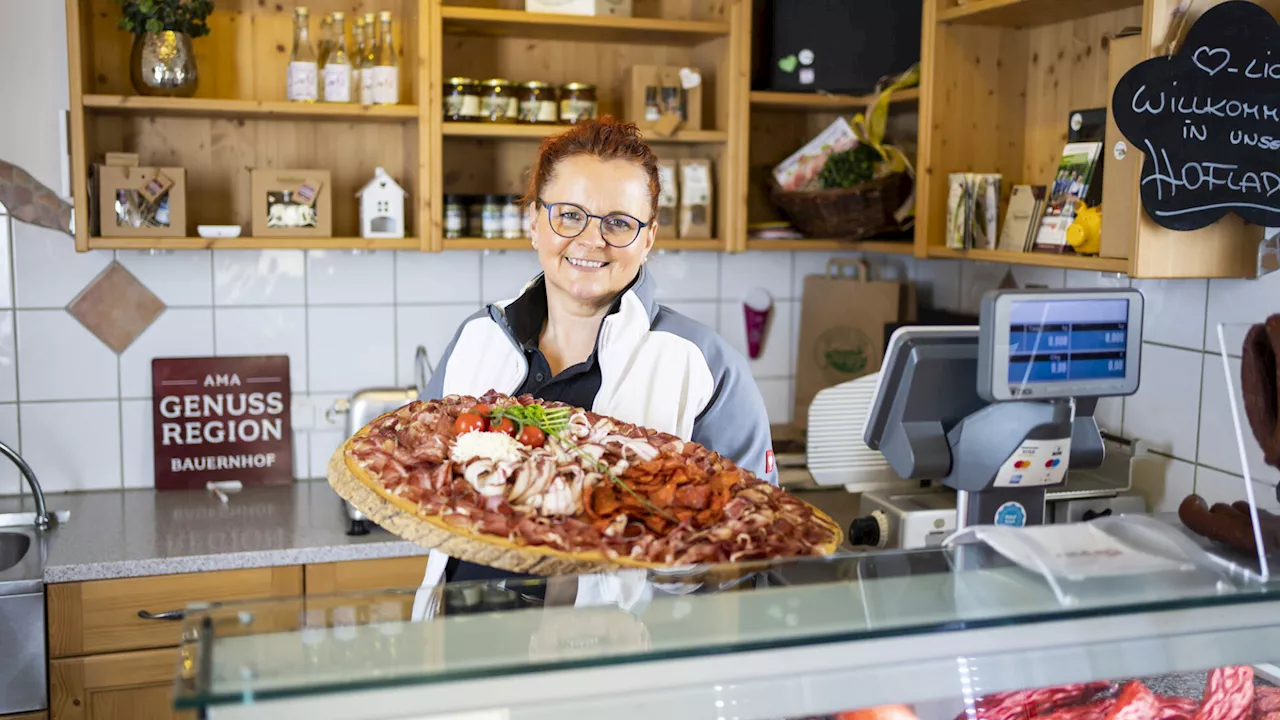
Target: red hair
607,139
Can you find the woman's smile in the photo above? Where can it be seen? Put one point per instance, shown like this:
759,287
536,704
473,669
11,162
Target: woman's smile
586,265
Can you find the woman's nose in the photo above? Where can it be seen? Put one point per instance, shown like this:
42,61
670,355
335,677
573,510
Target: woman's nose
593,236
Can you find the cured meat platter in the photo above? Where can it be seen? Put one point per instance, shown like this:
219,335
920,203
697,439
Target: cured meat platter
548,489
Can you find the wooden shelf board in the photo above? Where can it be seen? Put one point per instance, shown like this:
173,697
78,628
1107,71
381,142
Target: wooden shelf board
523,244
768,99
537,132
1028,13
587,28
213,107
254,243
1052,260
887,247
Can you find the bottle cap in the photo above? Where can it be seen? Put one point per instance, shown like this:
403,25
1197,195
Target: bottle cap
300,11
385,15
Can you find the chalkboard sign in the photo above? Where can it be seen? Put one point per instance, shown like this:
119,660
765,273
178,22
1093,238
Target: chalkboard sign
1208,119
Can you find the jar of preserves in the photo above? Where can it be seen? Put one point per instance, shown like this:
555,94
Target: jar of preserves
491,216
455,216
475,215
461,100
498,101
577,103
511,217
537,102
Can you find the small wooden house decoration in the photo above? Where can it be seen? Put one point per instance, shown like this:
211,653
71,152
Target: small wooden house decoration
381,207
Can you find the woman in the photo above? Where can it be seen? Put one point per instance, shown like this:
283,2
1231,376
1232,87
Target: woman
587,330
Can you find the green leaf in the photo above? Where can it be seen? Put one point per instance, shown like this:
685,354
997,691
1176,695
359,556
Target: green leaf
154,26
125,24
146,7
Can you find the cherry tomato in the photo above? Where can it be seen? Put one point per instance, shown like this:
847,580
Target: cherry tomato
532,436
481,410
504,425
469,422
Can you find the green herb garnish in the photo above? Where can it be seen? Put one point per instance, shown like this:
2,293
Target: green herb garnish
554,423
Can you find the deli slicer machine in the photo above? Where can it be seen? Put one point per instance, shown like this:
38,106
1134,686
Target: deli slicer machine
978,425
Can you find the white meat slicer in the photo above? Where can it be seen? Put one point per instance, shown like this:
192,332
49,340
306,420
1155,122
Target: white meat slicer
900,514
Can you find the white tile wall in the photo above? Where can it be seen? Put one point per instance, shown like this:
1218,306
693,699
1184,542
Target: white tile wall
305,304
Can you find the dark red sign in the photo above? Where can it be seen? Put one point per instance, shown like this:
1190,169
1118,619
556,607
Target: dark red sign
221,418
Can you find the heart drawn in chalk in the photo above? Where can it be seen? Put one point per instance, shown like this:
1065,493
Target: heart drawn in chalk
1209,54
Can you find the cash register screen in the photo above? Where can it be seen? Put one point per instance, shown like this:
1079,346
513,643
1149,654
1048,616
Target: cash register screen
1067,340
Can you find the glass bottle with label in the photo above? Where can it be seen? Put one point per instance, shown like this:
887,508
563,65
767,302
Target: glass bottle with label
369,60
455,216
337,67
357,60
302,82
386,72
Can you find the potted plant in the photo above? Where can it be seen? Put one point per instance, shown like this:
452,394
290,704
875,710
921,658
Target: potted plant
162,62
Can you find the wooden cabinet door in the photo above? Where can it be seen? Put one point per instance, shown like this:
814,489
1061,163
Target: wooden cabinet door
357,575
330,586
102,615
119,686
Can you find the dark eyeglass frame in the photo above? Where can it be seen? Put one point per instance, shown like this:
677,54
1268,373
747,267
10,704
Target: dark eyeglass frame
549,206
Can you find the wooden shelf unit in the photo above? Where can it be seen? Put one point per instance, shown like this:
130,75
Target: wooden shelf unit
549,26
823,101
1067,261
523,244
220,108
999,80
1026,13
258,243
506,42
538,132
885,247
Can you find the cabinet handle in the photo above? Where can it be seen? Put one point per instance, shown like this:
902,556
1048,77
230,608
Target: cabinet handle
170,615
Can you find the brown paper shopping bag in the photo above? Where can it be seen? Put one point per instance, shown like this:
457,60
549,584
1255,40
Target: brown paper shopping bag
842,323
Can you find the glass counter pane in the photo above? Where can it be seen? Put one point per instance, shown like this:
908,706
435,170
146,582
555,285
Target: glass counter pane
465,631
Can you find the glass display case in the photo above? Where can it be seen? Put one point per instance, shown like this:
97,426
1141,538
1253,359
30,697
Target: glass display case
938,631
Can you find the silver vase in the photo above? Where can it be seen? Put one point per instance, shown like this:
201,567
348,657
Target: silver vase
163,64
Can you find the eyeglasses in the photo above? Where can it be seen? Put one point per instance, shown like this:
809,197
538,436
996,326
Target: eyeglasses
569,221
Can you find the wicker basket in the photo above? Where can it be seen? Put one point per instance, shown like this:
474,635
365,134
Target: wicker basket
861,211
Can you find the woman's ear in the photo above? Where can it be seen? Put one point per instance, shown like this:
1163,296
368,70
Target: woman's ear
650,236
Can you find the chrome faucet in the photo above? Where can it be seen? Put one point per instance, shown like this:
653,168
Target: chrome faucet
42,514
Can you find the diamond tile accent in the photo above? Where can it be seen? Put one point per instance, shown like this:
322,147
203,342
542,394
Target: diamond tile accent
115,307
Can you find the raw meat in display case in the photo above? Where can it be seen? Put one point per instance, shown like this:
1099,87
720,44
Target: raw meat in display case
1227,693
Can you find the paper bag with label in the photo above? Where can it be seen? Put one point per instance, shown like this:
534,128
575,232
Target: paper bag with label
695,198
842,326
668,194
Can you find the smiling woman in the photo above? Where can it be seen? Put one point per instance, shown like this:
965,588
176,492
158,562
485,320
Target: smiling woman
587,330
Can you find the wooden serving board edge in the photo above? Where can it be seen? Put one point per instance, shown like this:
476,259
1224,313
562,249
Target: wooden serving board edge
401,518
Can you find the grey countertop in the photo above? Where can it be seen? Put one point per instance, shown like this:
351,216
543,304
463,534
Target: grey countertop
130,533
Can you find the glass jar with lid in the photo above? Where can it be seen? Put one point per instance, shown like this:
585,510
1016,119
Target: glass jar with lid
461,100
577,102
498,101
475,215
511,218
537,102
455,216
491,216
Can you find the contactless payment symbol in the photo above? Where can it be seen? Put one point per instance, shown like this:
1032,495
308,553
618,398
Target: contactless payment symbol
1011,514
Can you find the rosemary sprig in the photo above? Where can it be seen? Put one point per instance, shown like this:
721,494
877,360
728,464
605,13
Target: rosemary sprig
554,423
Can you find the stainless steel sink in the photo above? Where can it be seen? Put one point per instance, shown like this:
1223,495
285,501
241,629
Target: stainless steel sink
22,671
13,547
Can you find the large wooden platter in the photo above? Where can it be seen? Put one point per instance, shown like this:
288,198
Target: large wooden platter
400,517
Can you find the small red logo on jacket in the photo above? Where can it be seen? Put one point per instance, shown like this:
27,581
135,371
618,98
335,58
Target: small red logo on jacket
768,461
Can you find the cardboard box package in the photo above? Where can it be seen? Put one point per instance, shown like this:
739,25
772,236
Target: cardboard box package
696,193
615,8
291,203
140,201
657,95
